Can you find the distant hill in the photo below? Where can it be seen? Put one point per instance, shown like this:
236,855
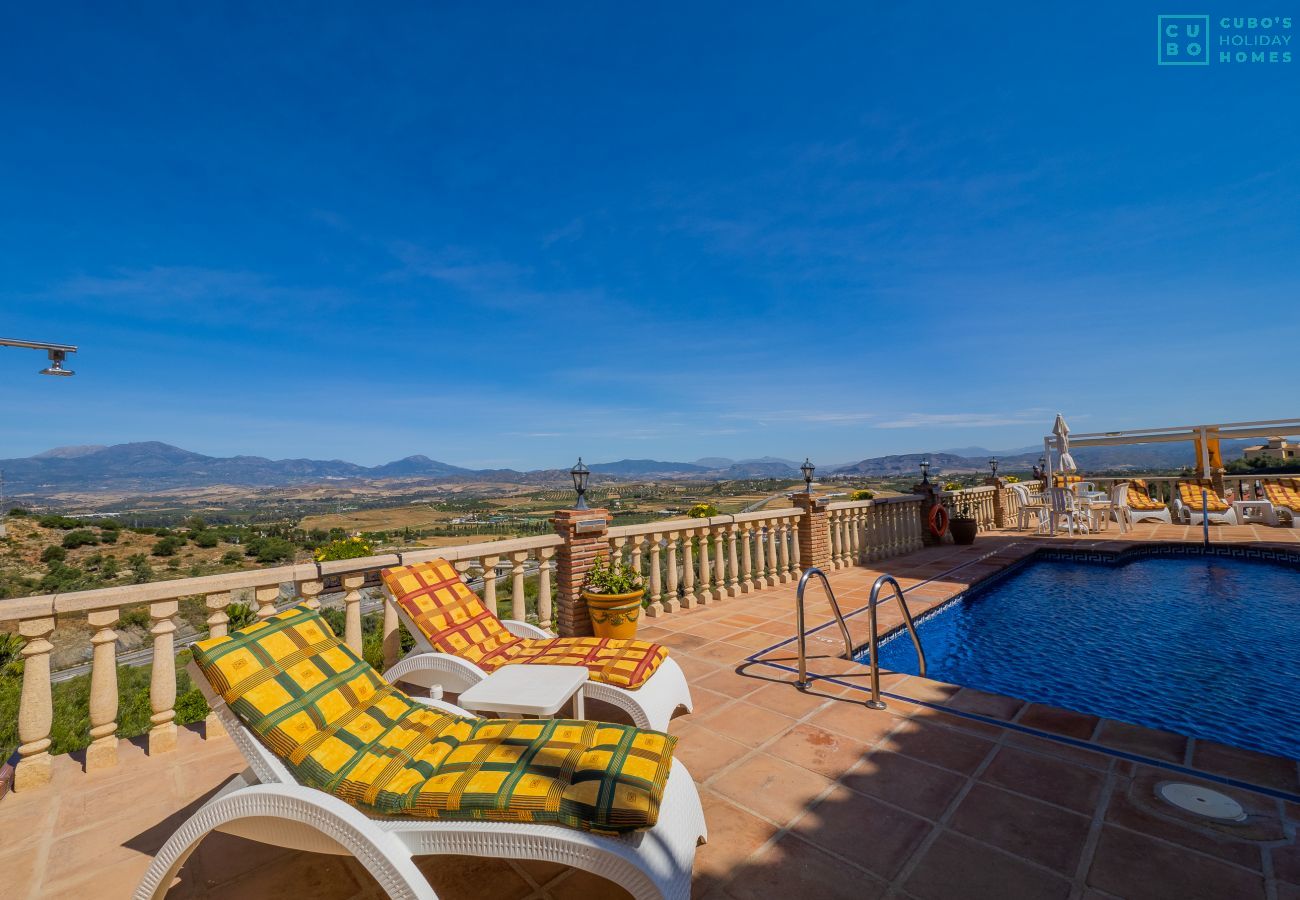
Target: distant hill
646,467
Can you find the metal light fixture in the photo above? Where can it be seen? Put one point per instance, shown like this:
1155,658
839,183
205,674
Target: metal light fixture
580,475
1042,462
57,353
807,468
925,471
993,464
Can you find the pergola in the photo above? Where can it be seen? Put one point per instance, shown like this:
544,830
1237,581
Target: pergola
1202,434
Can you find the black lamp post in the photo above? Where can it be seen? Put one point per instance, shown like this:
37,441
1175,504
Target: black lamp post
807,468
993,464
580,475
925,471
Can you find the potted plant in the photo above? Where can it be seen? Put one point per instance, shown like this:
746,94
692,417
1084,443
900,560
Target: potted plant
962,521
614,592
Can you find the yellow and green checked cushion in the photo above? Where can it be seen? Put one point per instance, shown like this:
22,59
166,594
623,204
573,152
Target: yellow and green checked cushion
455,621
341,728
1139,498
1284,492
1190,493
1059,480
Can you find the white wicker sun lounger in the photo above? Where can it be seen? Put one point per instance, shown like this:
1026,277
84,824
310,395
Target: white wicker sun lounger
267,804
650,706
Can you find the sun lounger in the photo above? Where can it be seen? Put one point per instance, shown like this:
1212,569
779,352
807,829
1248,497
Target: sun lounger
342,762
1188,504
459,642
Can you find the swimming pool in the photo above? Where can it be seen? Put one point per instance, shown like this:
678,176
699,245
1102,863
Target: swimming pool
1207,647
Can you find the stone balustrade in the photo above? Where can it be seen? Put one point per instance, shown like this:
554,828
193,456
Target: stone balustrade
692,562
863,531
509,562
1165,487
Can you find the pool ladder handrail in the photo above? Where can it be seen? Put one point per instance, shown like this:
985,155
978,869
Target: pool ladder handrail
875,702
808,573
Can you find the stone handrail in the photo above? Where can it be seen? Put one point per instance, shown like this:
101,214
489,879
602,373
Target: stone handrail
37,618
691,562
866,530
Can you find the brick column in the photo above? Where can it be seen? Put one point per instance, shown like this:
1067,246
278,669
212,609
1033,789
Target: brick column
814,532
926,489
585,533
999,514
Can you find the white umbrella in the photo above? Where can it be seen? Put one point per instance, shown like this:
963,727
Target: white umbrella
1062,432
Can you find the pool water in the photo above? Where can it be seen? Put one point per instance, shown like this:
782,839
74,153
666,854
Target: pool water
1202,646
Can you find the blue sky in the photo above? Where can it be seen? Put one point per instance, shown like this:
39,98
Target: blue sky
504,237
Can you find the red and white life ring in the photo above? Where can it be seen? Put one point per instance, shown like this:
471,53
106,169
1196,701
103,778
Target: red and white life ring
938,520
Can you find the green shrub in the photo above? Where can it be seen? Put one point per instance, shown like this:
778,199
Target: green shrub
53,521
232,558
241,615
61,578
81,537
141,571
109,535
206,539
862,495
617,577
18,512
134,615
270,549
344,548
702,511
53,553
110,567
167,546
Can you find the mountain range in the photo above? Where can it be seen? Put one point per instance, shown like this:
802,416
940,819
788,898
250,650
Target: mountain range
152,465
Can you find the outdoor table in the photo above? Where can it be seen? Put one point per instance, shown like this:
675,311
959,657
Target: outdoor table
528,691
1264,508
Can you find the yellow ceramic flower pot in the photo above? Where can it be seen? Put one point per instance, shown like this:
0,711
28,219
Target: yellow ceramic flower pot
614,615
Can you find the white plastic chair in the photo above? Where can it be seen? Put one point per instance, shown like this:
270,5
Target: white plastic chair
1030,503
267,804
1067,512
1119,506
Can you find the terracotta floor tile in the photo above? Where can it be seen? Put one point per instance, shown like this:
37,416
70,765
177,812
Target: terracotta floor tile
1247,765
906,782
849,717
745,722
473,878
928,690
994,706
580,885
1091,759
311,874
793,867
733,836
1055,720
706,753
825,752
872,834
1286,863
1135,806
771,787
1138,739
725,681
938,746
1140,868
1039,832
1045,778
785,698
957,867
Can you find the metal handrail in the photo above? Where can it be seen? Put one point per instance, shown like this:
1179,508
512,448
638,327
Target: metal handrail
875,702
799,622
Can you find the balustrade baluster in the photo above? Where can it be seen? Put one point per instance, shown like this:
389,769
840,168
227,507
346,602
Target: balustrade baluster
162,685
733,561
672,602
760,557
689,598
746,557
352,611
489,564
218,626
518,596
773,557
787,536
36,706
719,564
544,608
706,570
265,598
102,752
310,592
656,607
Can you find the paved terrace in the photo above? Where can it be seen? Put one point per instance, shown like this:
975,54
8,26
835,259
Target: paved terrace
949,793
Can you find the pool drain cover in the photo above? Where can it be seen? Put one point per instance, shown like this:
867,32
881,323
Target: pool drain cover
1202,801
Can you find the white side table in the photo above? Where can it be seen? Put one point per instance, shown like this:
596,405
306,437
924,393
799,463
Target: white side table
528,691
1263,507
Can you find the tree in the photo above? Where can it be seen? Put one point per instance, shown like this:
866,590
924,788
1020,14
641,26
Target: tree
206,539
53,554
18,512
141,571
167,546
79,538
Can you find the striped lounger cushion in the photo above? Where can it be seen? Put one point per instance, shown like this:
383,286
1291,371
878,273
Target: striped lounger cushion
1285,492
1190,493
456,621
1139,498
340,727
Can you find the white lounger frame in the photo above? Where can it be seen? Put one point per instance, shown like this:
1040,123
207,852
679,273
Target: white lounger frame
1137,515
650,706
267,804
1192,515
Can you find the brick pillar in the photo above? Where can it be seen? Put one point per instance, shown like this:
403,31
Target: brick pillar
999,514
585,533
926,490
814,532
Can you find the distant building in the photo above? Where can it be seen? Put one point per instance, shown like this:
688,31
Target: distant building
1276,448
